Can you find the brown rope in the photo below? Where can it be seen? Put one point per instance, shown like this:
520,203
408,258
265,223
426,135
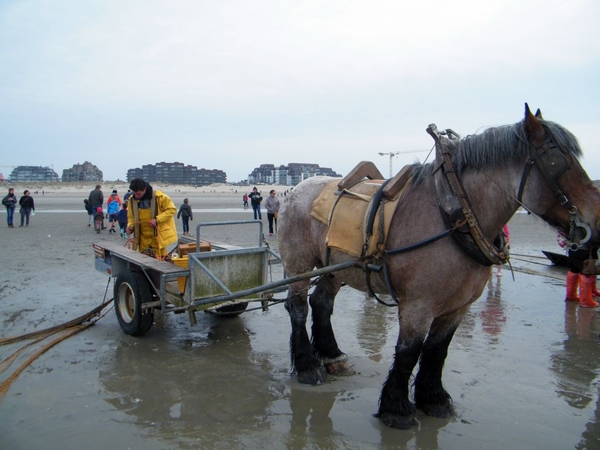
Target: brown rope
6,384
70,328
79,320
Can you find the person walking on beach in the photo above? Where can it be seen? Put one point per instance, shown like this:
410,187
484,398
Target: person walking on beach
27,206
185,212
151,219
255,199
245,201
113,212
272,205
88,207
114,196
96,199
10,202
581,288
122,217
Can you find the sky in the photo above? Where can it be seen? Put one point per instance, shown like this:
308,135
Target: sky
231,85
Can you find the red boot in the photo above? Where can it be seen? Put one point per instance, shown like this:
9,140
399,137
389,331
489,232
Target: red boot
572,287
594,288
587,299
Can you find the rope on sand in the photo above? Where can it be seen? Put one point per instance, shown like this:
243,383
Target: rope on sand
66,329
535,272
527,259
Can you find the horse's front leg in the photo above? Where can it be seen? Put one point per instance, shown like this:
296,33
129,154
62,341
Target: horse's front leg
395,408
430,395
304,361
324,342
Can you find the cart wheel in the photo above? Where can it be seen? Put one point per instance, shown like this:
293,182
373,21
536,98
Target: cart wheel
131,290
231,310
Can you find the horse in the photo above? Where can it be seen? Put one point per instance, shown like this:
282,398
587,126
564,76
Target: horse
533,163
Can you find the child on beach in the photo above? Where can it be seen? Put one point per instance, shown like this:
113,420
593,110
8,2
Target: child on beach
113,212
122,217
98,219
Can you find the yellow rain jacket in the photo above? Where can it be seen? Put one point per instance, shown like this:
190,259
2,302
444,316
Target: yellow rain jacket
145,235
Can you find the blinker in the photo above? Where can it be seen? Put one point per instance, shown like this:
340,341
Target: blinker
553,160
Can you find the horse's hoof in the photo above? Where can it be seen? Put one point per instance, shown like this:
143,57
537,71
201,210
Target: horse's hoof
441,411
340,368
312,376
399,422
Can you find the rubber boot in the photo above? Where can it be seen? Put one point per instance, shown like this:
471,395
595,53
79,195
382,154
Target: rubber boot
594,287
572,287
585,292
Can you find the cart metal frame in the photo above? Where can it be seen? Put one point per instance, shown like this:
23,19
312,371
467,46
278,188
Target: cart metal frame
224,277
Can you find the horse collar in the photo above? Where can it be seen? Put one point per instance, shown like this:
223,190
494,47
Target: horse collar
455,206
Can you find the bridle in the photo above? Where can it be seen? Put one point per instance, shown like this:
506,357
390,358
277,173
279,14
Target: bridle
552,163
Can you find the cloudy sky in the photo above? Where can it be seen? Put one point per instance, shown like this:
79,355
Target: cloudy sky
234,84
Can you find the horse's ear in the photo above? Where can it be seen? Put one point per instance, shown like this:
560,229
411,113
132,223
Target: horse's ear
538,114
534,128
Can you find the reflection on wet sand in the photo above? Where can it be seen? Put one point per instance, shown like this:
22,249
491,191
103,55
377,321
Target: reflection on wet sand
179,391
311,418
492,314
575,362
590,436
373,326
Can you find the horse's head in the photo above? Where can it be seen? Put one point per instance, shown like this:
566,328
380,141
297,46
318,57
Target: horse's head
555,186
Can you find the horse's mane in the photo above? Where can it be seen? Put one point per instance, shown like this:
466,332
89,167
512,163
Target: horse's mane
495,146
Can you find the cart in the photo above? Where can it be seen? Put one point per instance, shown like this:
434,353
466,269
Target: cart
222,280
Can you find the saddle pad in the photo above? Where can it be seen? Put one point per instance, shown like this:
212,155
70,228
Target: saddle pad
346,213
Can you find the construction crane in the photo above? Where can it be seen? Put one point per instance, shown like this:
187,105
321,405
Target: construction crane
392,154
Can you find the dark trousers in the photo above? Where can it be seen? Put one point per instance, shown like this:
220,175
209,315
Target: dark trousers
271,218
256,209
186,223
25,212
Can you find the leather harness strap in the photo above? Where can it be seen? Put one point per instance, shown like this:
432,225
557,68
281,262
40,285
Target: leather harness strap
456,206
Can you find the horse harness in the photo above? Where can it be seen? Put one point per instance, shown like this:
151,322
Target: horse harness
456,208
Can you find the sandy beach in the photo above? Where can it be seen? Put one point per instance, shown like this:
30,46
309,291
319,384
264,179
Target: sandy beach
522,369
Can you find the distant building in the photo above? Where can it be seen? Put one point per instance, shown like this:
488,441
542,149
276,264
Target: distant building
82,172
289,175
31,174
177,173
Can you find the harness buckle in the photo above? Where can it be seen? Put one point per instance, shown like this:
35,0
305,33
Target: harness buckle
563,200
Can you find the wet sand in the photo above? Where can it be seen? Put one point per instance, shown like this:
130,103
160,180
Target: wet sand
522,369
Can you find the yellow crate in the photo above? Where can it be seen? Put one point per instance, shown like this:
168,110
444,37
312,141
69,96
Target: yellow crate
181,262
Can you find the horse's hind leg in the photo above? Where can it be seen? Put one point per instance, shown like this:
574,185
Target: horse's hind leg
304,360
395,408
323,338
430,395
